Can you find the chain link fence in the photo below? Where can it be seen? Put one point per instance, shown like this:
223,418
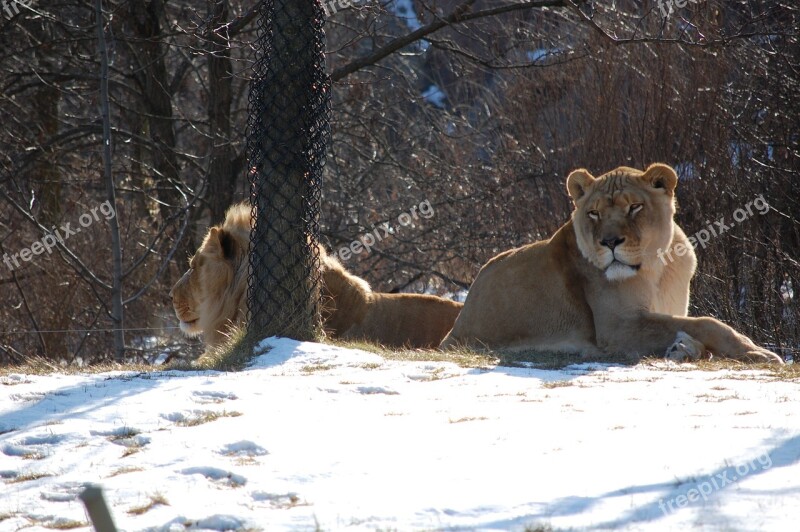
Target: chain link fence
288,131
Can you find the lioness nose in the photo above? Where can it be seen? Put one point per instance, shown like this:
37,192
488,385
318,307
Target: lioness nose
612,242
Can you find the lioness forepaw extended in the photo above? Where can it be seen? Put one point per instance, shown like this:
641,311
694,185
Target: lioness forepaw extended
745,350
758,354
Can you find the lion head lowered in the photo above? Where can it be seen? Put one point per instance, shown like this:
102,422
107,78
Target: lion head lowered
623,219
211,295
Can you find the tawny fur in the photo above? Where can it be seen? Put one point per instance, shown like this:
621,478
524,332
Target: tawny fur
572,293
351,310
211,297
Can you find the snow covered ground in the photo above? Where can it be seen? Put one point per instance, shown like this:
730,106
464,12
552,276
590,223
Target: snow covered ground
315,437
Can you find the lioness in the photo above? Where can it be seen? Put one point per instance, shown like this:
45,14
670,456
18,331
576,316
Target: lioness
598,285
211,297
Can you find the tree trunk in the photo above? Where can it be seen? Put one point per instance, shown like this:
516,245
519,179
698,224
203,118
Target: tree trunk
286,144
221,172
113,222
157,102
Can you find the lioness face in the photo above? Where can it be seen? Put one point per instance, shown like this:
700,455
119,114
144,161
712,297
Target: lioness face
623,218
209,275
183,301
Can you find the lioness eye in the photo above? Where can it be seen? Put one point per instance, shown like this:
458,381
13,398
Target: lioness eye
594,215
634,208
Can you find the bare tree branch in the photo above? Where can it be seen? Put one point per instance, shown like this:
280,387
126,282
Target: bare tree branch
459,15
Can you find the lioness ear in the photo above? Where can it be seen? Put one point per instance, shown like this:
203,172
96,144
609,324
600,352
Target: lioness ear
212,246
577,183
219,244
228,243
661,176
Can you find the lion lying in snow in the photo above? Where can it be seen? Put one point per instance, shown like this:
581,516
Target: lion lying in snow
599,284
351,310
211,297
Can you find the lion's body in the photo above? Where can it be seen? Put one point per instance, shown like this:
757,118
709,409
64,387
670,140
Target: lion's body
211,297
538,296
352,311
599,285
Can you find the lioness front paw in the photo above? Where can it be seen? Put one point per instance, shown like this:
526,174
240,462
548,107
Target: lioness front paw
685,349
759,354
745,350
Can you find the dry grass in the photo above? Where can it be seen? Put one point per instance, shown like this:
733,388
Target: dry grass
466,358
313,368
205,417
35,365
481,359
155,500
539,528
468,418
709,398
27,477
557,384
66,524
235,354
131,450
288,501
125,433
125,471
543,360
437,374
54,523
34,455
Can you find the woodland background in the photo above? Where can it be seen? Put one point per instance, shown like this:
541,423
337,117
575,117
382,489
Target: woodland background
483,118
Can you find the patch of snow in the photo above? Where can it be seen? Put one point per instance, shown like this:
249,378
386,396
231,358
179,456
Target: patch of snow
458,295
540,55
687,170
435,96
404,9
739,151
787,290
243,448
370,390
